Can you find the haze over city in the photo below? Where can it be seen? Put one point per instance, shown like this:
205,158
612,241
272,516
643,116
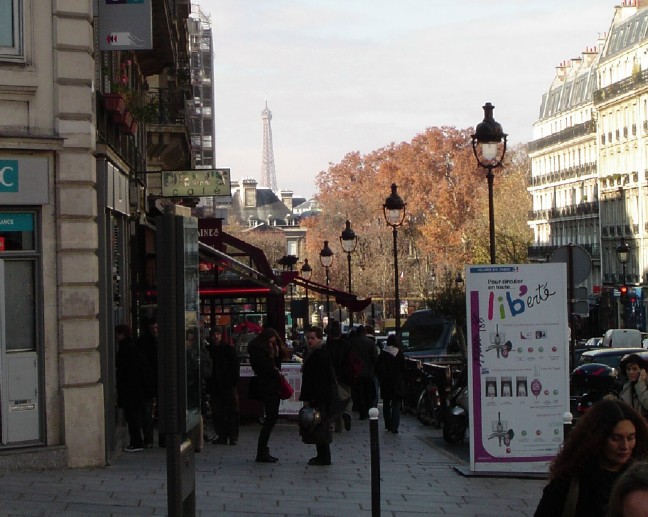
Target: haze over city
342,76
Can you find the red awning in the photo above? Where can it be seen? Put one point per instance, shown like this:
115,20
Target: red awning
348,300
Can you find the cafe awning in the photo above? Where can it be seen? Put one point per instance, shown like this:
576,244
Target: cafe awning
347,300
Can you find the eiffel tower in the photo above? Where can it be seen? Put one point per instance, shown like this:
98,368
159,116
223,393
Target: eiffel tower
268,176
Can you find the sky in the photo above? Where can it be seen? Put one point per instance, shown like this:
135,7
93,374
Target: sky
341,76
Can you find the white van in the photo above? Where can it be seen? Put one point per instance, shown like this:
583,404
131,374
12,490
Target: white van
622,338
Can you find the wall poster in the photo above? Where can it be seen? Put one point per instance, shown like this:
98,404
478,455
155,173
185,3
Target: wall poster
518,357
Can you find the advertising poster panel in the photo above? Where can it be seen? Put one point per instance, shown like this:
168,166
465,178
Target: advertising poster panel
518,357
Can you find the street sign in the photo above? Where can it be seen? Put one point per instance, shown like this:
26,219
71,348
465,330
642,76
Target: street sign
581,308
581,261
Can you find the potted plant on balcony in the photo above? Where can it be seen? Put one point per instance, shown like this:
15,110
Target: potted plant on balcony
114,102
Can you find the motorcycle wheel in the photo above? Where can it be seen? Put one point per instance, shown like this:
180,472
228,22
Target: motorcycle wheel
428,409
454,429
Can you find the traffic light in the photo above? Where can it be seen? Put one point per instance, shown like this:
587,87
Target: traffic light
623,290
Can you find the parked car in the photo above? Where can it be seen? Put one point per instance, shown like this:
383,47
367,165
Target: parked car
608,356
433,337
622,338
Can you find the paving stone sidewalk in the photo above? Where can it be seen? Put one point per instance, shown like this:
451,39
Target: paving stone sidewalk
417,478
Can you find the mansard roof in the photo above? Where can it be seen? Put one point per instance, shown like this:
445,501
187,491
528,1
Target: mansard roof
576,89
268,207
626,34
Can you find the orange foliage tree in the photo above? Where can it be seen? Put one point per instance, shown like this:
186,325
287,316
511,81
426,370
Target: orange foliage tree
446,224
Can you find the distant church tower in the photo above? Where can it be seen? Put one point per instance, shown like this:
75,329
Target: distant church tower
268,176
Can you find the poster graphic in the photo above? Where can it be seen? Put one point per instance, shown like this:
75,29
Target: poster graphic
518,357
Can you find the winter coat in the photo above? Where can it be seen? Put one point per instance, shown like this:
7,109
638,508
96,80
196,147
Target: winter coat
594,487
132,375
390,371
265,367
148,345
226,368
318,380
638,399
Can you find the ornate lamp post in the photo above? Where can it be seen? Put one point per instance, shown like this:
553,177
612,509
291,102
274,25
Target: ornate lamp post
394,212
485,142
622,251
326,259
306,272
349,241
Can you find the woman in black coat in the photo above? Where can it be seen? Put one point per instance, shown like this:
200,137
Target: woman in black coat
317,389
132,381
265,353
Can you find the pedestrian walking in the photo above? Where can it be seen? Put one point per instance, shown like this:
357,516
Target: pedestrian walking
317,392
607,439
265,352
390,371
365,389
223,388
338,348
131,385
147,342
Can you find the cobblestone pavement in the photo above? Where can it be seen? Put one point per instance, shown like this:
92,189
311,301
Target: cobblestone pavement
417,478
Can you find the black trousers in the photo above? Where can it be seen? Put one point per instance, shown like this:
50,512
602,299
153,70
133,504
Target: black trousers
271,407
225,409
133,417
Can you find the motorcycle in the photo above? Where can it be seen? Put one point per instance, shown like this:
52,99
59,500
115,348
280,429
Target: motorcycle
455,422
429,406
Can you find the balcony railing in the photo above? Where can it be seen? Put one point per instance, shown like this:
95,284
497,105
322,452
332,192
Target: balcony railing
536,253
621,87
569,133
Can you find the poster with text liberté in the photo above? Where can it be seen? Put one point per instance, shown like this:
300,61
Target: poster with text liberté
518,358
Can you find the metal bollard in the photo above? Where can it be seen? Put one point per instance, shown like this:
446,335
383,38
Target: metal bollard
567,424
375,462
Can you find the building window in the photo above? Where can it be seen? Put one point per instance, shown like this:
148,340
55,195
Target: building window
11,45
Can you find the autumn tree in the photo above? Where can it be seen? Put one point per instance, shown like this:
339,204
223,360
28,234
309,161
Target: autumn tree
446,223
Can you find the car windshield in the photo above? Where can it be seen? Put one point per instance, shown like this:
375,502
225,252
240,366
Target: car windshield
432,337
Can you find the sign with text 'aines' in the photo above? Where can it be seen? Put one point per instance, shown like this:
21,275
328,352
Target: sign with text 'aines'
196,183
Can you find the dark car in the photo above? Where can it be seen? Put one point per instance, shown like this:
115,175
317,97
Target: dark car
433,337
609,356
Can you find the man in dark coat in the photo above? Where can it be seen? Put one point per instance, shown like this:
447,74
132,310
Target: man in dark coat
338,348
131,385
223,388
365,392
147,343
317,390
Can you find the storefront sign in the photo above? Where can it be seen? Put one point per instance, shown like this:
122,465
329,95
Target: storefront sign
518,357
196,183
23,180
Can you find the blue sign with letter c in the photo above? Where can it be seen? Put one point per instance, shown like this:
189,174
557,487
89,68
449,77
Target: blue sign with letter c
8,175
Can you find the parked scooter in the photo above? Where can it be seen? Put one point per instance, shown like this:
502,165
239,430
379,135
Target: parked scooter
590,383
455,421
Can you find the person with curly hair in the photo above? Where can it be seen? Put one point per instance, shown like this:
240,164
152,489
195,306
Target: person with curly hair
607,439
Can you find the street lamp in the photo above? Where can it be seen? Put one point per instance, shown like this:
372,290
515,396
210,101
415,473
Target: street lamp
489,134
394,212
349,241
326,259
306,272
623,256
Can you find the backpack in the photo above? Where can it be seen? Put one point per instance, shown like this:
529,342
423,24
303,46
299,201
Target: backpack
352,367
